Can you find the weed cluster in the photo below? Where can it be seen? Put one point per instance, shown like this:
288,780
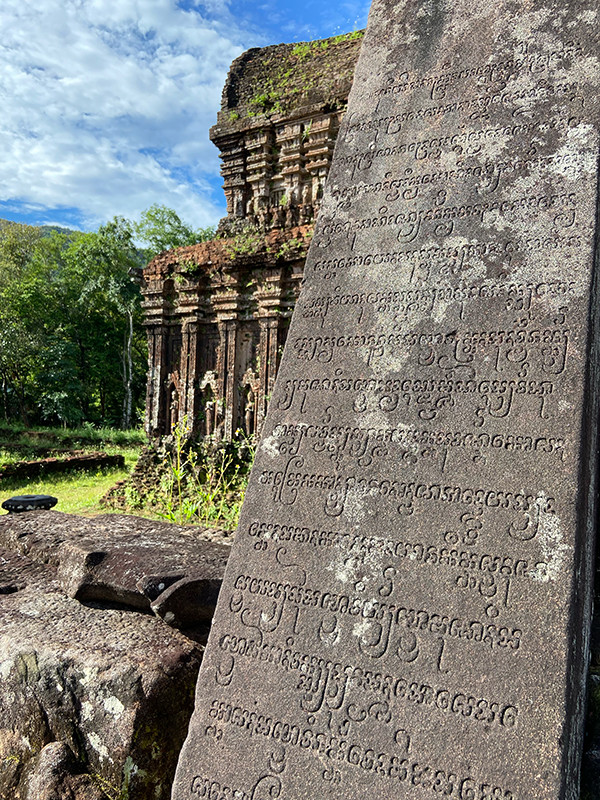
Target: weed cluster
304,49
205,482
245,243
289,247
348,37
186,481
268,102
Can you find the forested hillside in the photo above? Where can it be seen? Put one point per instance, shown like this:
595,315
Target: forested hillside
72,345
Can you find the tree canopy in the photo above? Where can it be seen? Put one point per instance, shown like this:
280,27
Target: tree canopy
160,228
72,344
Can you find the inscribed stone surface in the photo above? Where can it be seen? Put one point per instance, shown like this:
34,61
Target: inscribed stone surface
404,612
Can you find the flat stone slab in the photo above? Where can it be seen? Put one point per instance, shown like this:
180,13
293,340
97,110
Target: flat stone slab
53,465
123,560
406,609
40,533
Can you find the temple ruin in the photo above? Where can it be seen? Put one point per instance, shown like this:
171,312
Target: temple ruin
217,313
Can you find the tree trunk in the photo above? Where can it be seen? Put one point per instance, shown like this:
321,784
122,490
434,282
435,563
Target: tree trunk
5,395
85,404
128,372
21,398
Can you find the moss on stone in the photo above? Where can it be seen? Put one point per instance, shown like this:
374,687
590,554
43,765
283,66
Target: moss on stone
276,80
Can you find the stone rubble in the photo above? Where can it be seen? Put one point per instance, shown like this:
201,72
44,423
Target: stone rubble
97,694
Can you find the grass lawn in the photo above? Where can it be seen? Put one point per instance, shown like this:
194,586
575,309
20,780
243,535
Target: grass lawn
78,492
215,503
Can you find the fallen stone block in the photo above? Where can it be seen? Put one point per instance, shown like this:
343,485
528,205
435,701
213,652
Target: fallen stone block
108,560
115,687
38,534
115,571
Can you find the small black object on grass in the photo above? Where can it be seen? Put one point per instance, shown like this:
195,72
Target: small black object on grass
29,502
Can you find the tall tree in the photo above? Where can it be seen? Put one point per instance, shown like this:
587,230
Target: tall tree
160,228
72,346
19,341
70,323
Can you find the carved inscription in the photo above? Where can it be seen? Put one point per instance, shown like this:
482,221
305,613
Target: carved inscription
321,744
366,445
511,296
288,485
519,351
443,219
397,619
436,556
419,398
379,692
486,178
385,622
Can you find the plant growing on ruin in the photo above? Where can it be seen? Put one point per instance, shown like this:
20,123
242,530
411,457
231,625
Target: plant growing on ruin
205,482
288,247
245,243
189,267
285,79
348,37
301,50
260,100
268,101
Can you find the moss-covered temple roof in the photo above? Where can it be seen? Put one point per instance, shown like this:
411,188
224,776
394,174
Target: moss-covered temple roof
285,78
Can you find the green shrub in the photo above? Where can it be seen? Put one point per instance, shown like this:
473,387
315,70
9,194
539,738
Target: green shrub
204,482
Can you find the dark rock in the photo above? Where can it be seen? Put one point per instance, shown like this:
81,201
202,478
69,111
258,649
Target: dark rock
41,534
188,602
114,561
590,773
16,572
29,502
154,585
114,686
115,570
55,775
89,573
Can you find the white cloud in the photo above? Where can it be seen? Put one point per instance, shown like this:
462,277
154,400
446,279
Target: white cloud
106,104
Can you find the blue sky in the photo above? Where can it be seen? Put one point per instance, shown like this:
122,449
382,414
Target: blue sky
106,104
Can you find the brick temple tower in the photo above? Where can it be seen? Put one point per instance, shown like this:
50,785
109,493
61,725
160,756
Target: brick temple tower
217,313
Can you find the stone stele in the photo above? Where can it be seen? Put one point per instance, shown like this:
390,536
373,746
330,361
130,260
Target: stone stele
406,607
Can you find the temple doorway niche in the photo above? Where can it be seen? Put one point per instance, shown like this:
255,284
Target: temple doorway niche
246,381
173,405
210,404
248,402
